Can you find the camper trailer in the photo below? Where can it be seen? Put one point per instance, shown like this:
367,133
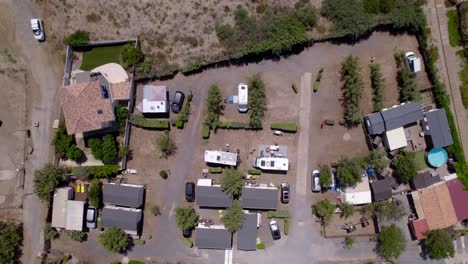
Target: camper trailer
243,105
413,62
271,163
221,157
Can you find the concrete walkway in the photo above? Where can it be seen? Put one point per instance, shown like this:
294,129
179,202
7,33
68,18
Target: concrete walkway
448,65
304,126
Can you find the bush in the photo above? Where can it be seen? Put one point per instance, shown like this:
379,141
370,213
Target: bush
260,246
155,210
77,235
215,170
105,171
254,172
286,127
371,6
104,149
93,18
348,242
165,144
294,88
79,37
81,172
64,145
325,210
187,242
384,211
278,214
352,90
50,232
286,226
453,23
193,66
140,121
179,124
66,257
326,178
205,132
11,237
138,242
377,84
163,174
215,106
47,179
94,193
114,240
131,55
256,101
347,210
232,125
121,116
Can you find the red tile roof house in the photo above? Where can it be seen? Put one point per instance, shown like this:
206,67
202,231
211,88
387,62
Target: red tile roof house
88,105
459,198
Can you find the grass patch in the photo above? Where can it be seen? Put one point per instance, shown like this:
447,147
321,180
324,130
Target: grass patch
205,132
100,56
254,172
286,226
140,121
278,214
286,127
215,170
420,160
187,242
454,34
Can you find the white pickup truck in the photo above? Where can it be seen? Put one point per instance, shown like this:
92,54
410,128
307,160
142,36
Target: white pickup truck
37,27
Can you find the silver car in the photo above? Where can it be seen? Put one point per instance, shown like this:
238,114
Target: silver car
91,217
315,181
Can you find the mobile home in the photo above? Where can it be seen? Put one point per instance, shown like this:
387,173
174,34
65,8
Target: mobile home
243,105
271,163
221,157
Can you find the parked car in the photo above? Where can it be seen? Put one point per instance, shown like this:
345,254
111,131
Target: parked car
285,192
187,233
315,181
91,217
190,192
37,27
178,101
412,62
274,228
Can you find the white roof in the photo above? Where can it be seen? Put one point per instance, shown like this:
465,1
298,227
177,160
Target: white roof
204,182
59,207
154,99
359,194
272,163
221,157
113,72
75,215
243,93
395,139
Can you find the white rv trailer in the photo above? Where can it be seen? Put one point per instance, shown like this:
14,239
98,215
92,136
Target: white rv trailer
272,163
243,91
221,157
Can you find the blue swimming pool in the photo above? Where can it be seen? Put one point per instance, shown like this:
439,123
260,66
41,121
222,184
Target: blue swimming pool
437,157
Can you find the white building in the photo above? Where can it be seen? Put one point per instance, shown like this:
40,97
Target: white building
154,100
271,163
221,157
358,194
395,139
243,93
67,213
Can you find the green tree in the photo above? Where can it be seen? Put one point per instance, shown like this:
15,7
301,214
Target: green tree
11,236
386,6
371,6
232,182
391,242
81,172
377,159
165,144
349,172
77,38
94,193
347,210
215,105
75,153
109,148
50,232
348,242
324,209
124,151
378,85
114,240
121,115
326,178
96,148
77,235
405,167
186,218
61,141
233,217
47,179
439,244
256,101
131,55
386,211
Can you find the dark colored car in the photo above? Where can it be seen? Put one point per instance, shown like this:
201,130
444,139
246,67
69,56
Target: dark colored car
274,228
190,192
285,192
187,233
178,101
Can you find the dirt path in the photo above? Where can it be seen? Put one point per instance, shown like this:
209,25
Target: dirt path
448,66
44,79
304,125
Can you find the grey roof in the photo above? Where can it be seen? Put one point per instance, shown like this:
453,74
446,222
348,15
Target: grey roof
393,118
259,198
381,190
212,196
375,123
213,238
123,195
437,128
247,234
402,115
424,180
124,219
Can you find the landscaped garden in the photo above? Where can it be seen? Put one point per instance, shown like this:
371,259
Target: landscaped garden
100,55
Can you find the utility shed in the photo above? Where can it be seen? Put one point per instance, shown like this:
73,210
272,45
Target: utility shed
374,123
213,237
59,206
381,190
127,219
75,215
247,234
154,100
128,195
260,198
358,194
436,128
209,195
423,180
395,139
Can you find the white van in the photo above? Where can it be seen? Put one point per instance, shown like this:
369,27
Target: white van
413,62
243,105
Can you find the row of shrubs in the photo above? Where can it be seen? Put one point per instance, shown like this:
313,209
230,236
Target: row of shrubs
104,171
140,121
352,90
286,127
